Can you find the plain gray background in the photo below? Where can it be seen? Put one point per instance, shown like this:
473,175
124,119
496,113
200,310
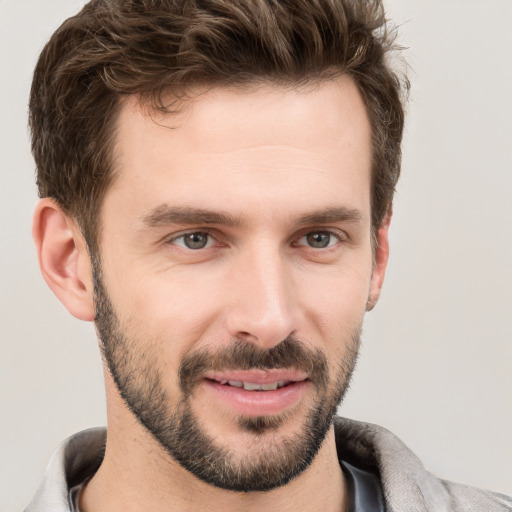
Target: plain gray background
437,355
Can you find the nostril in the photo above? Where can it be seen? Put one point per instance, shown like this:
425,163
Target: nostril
246,336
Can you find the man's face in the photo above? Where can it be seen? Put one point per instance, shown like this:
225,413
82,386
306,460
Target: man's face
236,266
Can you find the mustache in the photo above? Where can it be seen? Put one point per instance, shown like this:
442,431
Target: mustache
291,353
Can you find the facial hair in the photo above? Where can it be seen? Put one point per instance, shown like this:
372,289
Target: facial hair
272,462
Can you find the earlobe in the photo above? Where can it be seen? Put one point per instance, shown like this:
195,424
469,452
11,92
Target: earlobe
63,258
381,261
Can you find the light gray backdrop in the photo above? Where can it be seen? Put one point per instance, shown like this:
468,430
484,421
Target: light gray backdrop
437,356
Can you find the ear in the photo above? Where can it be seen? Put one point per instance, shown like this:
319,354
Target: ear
63,258
380,261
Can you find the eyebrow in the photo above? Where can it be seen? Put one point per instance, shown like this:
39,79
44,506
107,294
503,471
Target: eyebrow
164,215
339,214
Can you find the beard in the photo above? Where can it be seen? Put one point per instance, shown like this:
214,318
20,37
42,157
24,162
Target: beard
272,460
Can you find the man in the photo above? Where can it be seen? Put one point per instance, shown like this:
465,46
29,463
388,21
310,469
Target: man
216,183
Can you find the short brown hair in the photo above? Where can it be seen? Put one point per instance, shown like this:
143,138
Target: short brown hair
113,48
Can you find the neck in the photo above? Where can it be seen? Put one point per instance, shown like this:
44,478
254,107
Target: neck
138,474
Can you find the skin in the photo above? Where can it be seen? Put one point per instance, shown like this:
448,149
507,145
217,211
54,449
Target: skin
269,157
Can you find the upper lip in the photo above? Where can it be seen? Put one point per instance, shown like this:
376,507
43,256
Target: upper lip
257,376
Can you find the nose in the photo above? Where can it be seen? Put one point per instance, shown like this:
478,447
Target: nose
264,307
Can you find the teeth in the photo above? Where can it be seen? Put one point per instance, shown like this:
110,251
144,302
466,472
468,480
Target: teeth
251,386
269,387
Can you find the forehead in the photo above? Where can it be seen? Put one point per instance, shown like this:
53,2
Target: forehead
256,115
265,140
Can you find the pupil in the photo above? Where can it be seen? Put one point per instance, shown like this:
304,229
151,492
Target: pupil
196,240
319,239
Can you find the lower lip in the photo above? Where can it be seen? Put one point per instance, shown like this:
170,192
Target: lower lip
258,403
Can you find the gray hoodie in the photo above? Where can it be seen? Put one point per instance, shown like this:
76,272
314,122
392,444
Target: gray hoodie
406,485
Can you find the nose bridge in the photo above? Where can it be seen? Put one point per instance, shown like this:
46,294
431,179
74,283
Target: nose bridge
264,309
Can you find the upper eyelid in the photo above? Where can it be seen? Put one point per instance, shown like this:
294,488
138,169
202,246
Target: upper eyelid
181,234
337,233
172,240
340,234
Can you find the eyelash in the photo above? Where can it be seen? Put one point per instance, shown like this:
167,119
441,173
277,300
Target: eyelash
206,232
337,235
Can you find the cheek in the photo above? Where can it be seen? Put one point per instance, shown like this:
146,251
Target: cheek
337,298
335,310
173,309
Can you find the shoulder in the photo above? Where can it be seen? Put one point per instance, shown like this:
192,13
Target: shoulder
406,484
466,498
77,458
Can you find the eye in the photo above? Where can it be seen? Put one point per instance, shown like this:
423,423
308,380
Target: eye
319,239
194,241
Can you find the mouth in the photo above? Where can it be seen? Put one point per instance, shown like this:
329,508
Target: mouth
254,386
258,392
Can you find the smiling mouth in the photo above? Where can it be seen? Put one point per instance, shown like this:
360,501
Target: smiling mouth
253,386
258,392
